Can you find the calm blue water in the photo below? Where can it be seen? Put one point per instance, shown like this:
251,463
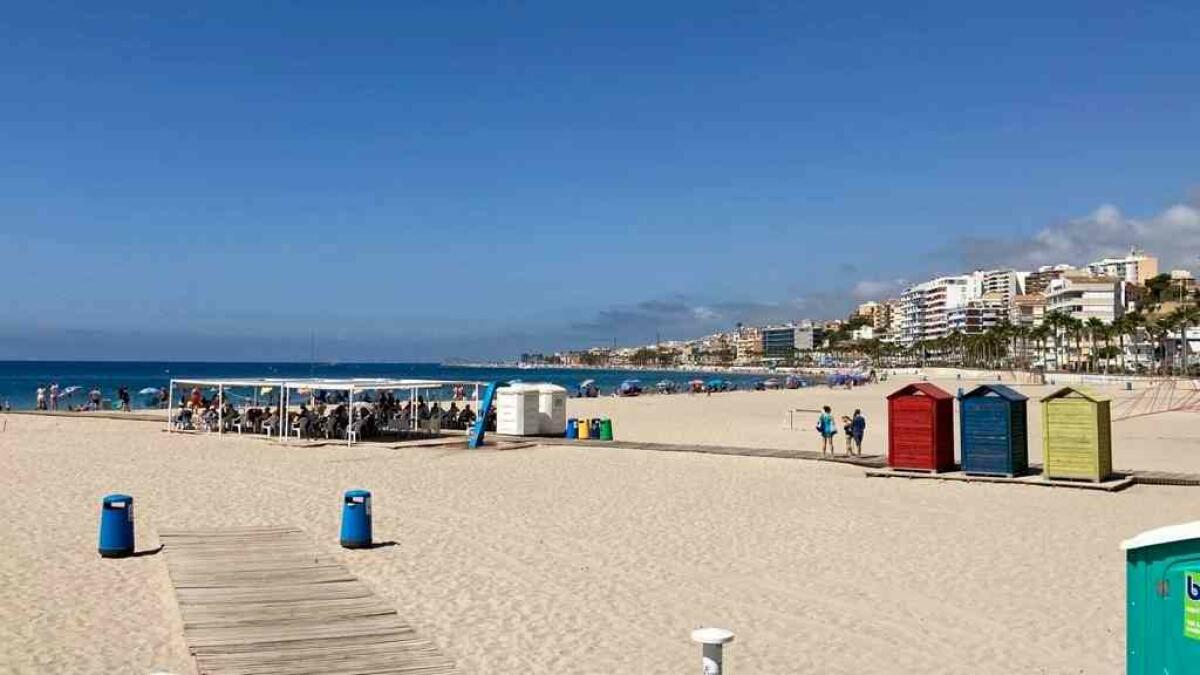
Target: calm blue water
19,380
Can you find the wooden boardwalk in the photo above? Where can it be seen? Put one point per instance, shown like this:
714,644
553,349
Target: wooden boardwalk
738,451
259,600
1116,483
876,465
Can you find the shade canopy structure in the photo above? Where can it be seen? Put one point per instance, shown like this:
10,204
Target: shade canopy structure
274,391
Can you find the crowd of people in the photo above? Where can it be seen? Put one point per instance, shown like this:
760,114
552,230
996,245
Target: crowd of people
328,417
51,397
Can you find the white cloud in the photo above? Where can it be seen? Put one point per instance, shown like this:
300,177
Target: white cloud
869,289
1172,235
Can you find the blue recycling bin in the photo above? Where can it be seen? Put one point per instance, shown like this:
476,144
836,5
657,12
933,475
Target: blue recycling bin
356,519
594,427
116,526
572,428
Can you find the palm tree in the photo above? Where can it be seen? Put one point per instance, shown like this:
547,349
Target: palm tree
1004,334
1183,318
1020,334
1039,335
1158,329
1120,327
1094,327
1133,325
1075,329
1056,321
1106,332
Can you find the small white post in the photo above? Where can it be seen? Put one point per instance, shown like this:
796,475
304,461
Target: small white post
713,641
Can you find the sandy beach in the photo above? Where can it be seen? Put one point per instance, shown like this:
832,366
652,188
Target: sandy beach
558,559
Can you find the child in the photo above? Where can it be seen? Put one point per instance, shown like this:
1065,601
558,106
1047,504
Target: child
848,429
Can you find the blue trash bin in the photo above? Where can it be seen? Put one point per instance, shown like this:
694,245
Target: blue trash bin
572,428
356,519
594,427
116,526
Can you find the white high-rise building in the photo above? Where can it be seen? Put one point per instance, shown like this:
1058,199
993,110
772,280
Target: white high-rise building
925,308
1004,285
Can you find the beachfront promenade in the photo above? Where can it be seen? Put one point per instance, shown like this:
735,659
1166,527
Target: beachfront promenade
516,560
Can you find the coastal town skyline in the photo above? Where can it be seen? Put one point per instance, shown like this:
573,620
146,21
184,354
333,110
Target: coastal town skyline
1103,297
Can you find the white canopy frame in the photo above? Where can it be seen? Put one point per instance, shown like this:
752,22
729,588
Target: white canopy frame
286,387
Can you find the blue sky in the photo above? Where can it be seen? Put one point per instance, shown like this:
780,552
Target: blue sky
421,181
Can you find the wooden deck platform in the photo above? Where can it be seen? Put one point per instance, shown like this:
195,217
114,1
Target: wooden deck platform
739,451
1114,484
259,600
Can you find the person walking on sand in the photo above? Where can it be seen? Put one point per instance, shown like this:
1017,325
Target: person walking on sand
858,426
827,429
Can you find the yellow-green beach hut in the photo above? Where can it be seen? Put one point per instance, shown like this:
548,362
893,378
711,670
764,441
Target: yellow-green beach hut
1076,435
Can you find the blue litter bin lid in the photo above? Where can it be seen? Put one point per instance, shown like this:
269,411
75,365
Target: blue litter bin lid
115,497
351,494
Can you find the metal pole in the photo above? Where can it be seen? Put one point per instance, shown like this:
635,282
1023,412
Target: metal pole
220,409
282,411
713,641
170,405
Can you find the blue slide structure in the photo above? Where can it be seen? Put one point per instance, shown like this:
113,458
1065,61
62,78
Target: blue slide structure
485,407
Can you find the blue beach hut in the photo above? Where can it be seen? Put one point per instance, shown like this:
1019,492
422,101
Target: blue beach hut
994,432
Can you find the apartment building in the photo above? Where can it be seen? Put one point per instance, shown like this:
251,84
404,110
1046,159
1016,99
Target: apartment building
1134,268
977,315
925,307
868,310
1027,310
1084,296
1001,284
1037,282
748,341
887,323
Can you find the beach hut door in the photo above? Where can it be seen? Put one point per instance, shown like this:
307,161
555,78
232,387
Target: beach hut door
1178,595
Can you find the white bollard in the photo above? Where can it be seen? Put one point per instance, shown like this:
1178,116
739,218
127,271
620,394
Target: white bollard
714,640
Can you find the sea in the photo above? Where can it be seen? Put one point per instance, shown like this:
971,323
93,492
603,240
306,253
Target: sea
19,380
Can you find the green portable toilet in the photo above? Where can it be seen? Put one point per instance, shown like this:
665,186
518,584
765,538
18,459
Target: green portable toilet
1162,609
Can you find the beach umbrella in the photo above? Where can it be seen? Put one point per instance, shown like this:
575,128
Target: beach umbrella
587,383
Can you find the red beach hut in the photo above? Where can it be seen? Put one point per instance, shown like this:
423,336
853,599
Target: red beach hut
921,428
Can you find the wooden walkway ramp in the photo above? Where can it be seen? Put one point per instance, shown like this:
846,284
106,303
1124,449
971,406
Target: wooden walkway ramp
260,600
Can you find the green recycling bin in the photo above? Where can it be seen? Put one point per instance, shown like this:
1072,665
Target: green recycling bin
606,429
1162,611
